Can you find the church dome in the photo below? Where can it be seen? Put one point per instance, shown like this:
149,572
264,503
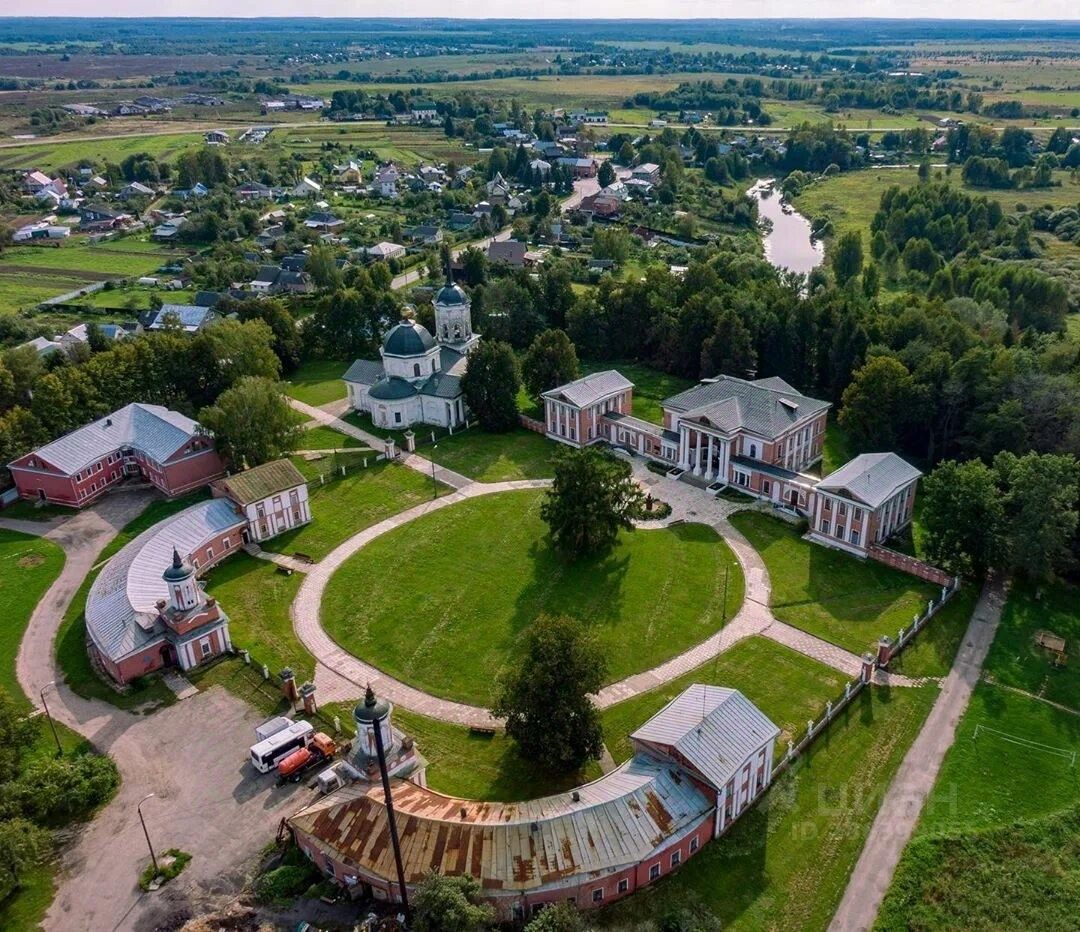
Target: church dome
392,389
371,709
408,339
451,294
179,570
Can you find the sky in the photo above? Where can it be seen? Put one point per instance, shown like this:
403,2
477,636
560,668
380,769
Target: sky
563,9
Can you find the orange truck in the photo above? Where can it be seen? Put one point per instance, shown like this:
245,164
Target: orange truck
292,768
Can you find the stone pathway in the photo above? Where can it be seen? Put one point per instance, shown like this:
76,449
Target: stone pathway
412,460
281,559
180,686
903,803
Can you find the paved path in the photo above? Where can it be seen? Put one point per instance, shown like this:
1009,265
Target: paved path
899,812
282,559
413,460
224,816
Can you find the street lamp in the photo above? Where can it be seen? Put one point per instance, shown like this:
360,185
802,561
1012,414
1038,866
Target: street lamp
138,809
52,724
434,484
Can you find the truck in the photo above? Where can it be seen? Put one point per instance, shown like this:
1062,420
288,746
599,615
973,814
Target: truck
320,749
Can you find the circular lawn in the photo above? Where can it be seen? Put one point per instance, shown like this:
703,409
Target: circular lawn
444,601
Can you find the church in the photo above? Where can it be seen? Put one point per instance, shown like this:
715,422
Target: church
418,378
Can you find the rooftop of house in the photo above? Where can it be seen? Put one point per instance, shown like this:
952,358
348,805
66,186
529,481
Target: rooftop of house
590,388
259,482
190,317
766,407
121,607
871,478
153,429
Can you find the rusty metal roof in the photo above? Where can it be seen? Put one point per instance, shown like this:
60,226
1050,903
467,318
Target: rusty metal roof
618,820
713,728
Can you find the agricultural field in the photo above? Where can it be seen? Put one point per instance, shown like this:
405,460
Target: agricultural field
406,145
51,155
450,627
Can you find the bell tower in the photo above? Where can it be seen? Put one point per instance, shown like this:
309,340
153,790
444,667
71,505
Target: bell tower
453,317
184,592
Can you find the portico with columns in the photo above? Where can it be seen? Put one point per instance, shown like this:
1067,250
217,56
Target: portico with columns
704,451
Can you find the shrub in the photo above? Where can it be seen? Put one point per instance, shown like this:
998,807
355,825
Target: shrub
56,790
285,882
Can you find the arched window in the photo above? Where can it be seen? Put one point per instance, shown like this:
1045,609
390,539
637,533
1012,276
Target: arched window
753,451
416,369
432,363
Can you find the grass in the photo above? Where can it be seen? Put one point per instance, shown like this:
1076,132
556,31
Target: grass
934,648
786,862
179,862
449,597
1014,658
318,381
1020,876
829,593
49,155
326,438
28,566
346,506
519,454
837,448
316,465
25,510
651,386
786,686
256,597
70,647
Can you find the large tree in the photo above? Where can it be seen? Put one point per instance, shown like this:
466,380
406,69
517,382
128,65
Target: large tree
545,698
593,497
490,385
730,349
252,422
550,361
450,904
879,405
22,845
962,516
847,257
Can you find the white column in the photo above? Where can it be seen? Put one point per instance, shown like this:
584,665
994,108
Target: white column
697,453
684,448
708,462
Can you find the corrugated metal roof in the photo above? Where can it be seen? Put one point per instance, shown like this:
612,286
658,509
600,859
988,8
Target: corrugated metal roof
364,372
591,388
618,820
872,478
766,407
714,728
191,317
441,385
121,607
153,429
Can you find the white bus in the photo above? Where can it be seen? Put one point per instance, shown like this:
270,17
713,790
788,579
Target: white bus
266,754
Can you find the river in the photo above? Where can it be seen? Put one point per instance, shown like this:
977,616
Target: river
788,245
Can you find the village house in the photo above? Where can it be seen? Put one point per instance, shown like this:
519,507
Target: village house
509,251
698,764
594,117
147,443
35,181
760,437
418,379
188,318
384,250
386,181
43,229
306,188
273,498
426,234
133,190
351,172
648,172
579,167
216,137
253,191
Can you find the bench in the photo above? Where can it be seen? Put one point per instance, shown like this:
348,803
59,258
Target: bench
484,731
303,557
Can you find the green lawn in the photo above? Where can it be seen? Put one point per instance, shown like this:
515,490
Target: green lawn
837,448
1015,660
256,597
28,566
49,155
319,467
24,510
318,381
448,597
828,593
651,386
785,863
519,454
326,438
934,649
788,687
345,506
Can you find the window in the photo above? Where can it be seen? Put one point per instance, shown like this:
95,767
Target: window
827,506
209,553
397,417
226,544
856,514
624,885
839,531
416,369
654,871
693,845
204,647
598,895
195,562
841,510
676,857
766,487
824,525
753,451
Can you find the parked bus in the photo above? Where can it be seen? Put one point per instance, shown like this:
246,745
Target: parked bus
266,754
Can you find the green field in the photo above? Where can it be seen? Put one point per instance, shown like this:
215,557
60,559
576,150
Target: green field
318,381
326,438
794,690
786,862
449,597
345,506
519,454
828,593
28,566
50,155
406,145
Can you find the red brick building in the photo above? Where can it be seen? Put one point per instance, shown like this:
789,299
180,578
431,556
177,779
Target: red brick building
144,442
698,764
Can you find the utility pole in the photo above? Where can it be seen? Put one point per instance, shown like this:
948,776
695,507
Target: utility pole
138,808
380,750
52,724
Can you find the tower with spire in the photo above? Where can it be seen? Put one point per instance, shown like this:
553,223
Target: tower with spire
453,317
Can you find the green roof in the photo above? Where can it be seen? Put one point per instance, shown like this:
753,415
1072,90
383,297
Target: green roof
253,485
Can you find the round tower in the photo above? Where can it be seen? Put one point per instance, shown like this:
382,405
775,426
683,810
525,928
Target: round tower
372,714
453,316
183,589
